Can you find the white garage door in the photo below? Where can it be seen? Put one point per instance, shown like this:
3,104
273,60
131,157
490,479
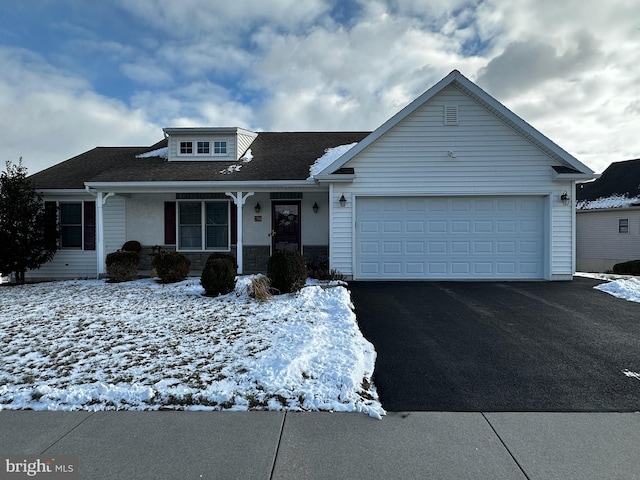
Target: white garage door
450,238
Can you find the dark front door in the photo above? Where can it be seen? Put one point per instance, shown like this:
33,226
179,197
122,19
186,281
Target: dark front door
285,231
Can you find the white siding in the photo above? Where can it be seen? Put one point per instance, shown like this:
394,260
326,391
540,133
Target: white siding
244,142
115,231
490,159
68,263
599,246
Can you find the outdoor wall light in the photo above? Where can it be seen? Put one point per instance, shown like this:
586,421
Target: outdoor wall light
565,198
343,201
258,207
315,207
451,154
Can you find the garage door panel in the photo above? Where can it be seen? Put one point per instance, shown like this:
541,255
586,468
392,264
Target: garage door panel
457,238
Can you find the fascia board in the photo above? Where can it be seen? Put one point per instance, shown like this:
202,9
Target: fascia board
147,187
61,191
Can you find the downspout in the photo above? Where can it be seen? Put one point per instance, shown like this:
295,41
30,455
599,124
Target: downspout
239,200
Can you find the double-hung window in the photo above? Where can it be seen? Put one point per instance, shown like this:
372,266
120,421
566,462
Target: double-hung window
71,225
623,225
203,225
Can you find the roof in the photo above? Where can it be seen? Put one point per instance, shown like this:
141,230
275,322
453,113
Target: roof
275,156
619,179
455,78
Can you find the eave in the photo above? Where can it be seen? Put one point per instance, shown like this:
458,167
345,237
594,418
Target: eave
185,187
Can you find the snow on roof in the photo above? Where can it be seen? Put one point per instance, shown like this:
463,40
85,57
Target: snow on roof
613,201
330,155
161,152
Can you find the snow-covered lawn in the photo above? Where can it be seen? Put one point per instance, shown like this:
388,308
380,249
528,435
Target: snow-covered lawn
92,345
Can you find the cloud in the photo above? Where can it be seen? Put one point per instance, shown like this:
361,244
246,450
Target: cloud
50,116
524,65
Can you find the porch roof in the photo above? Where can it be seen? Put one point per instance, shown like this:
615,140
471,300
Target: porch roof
276,156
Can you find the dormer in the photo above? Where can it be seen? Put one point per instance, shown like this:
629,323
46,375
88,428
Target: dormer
207,143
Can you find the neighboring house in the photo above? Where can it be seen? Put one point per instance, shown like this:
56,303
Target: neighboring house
454,186
608,218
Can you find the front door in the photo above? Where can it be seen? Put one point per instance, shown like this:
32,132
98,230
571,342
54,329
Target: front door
285,230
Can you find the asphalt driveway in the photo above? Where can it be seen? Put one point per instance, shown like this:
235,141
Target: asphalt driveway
501,346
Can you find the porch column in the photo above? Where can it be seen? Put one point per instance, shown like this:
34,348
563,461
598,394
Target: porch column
239,199
101,200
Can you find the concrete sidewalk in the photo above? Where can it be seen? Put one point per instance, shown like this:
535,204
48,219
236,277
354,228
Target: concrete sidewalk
276,445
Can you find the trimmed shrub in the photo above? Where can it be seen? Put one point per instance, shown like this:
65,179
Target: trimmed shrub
132,246
122,266
287,271
224,256
218,277
631,267
171,266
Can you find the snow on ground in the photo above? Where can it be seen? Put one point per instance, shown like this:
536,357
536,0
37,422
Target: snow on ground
92,345
621,286
614,201
330,155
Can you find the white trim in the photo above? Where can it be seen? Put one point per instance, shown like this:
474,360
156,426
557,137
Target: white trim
239,199
191,186
203,225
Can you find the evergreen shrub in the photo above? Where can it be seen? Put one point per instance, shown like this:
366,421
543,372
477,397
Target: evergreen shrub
171,266
631,267
218,277
132,246
122,266
287,271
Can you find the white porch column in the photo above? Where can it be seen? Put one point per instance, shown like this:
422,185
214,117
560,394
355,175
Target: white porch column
101,200
239,199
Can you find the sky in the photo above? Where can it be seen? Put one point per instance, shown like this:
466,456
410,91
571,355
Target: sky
78,74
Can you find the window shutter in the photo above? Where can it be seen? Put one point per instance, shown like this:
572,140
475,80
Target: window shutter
233,223
51,225
89,225
169,223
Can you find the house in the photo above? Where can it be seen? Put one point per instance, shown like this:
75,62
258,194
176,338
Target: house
454,186
608,218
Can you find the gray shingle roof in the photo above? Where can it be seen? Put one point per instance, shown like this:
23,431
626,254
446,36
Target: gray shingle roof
620,178
276,156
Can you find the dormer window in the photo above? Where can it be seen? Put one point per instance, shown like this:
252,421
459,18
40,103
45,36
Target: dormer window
207,144
204,148
186,148
220,148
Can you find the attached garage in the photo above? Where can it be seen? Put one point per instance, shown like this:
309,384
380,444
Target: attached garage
484,237
455,186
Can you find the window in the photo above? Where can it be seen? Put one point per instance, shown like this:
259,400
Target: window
203,225
220,148
203,148
71,225
186,148
623,225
